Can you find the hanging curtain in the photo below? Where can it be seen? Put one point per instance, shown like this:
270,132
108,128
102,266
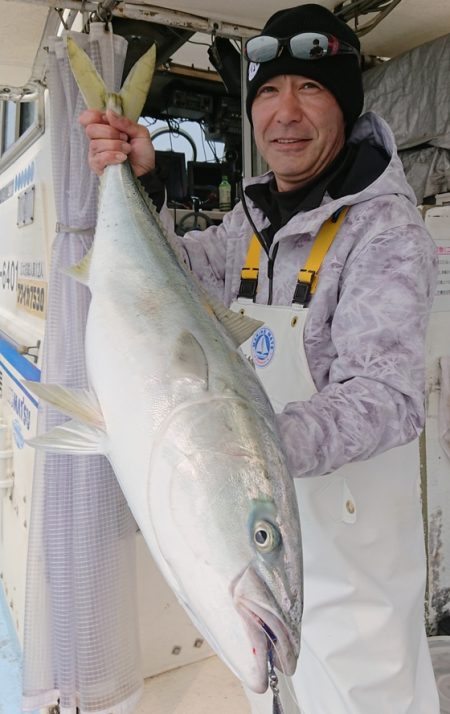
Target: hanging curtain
81,643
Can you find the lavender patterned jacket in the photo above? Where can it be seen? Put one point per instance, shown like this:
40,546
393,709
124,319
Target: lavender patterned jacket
365,330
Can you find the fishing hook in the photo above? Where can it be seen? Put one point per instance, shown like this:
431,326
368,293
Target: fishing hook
273,681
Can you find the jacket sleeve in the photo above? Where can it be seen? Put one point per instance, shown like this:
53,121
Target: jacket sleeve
374,399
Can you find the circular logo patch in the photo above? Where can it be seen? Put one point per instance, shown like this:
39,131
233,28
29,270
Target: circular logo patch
263,346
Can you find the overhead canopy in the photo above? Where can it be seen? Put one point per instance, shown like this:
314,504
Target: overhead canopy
410,23
23,26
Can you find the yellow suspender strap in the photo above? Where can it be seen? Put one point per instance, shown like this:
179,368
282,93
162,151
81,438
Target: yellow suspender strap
308,275
249,273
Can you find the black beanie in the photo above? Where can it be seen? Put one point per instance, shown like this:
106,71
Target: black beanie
340,74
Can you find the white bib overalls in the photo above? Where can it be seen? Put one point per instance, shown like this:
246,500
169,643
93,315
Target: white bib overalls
363,647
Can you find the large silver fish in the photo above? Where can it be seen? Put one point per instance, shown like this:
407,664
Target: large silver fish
184,421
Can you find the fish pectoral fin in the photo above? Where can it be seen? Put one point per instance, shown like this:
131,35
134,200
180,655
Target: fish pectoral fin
189,360
80,271
80,404
91,85
239,326
71,438
137,84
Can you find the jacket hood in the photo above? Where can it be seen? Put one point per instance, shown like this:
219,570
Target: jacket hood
392,180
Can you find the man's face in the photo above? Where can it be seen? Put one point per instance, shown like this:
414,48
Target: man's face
299,128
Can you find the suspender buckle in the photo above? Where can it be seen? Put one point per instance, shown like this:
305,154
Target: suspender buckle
248,287
302,292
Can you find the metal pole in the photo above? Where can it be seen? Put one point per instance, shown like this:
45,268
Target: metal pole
247,139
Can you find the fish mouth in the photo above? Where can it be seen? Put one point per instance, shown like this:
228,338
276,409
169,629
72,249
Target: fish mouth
268,631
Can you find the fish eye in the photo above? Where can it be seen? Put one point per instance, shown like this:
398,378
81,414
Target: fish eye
265,536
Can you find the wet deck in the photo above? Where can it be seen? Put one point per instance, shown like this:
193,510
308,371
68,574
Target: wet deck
200,688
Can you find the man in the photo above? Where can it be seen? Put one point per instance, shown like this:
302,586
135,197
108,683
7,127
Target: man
345,280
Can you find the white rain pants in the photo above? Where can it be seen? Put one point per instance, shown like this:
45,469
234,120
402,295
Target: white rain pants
364,648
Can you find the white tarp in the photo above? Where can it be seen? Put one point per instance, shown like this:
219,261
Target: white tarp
427,170
412,92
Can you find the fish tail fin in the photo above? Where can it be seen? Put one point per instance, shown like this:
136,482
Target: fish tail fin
90,84
137,84
131,97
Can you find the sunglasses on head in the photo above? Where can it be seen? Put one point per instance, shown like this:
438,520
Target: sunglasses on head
304,46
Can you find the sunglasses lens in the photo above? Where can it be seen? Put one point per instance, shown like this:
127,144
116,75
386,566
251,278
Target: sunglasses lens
304,46
309,45
262,48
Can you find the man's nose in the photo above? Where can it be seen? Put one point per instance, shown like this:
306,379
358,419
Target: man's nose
290,107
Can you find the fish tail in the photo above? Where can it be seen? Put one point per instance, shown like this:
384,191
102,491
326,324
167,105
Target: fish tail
137,84
131,98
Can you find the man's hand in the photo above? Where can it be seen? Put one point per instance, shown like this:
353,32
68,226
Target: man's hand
114,138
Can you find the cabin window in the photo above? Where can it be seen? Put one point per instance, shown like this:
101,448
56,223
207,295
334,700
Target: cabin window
27,116
20,124
10,125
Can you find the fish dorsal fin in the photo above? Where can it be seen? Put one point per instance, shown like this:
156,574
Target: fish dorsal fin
80,271
189,361
75,403
96,95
